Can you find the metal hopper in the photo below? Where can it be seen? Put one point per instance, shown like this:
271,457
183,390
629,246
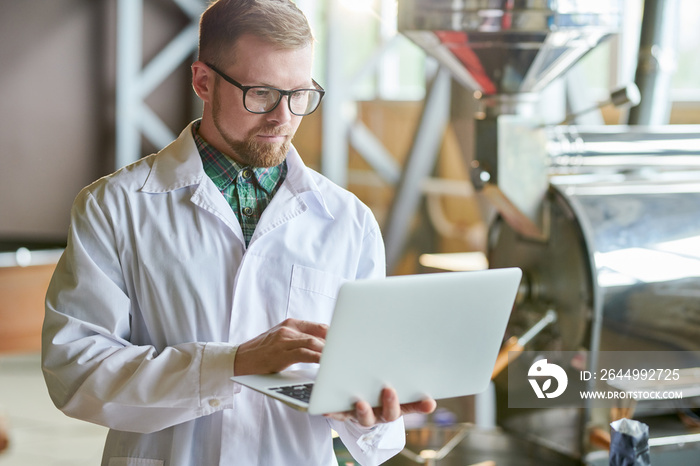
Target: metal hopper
507,46
506,51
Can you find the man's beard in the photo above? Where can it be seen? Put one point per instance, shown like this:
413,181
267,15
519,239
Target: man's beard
250,151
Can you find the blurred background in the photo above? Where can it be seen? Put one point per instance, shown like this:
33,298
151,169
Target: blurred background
88,86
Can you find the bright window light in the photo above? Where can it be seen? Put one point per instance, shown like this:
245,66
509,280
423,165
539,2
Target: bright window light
358,5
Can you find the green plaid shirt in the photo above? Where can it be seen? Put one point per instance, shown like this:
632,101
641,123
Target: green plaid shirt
247,190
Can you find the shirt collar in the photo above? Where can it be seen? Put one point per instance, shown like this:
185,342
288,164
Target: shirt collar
179,165
223,170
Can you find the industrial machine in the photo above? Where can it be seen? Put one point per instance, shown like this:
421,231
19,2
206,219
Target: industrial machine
603,220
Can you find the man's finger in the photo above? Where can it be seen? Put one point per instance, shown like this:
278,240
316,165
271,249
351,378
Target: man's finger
310,328
306,342
391,410
426,406
304,355
365,414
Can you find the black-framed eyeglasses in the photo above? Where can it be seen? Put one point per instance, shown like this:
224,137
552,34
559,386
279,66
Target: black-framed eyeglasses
264,99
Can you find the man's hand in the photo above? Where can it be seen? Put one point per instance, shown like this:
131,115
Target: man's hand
288,343
390,410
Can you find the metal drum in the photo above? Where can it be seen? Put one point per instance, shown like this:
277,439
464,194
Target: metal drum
621,267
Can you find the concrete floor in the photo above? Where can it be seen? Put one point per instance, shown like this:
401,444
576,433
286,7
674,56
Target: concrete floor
39,433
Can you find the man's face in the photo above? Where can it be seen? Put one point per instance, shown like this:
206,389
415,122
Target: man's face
260,140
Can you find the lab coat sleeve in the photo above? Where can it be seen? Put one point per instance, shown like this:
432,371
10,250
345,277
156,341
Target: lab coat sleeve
371,446
91,369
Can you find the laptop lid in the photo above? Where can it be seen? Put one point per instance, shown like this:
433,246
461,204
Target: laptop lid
428,335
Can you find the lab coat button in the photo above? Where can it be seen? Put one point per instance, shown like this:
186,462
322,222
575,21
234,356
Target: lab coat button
214,403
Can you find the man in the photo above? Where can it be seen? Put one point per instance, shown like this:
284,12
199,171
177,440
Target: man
167,287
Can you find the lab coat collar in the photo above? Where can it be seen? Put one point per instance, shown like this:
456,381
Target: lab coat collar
300,181
176,166
179,165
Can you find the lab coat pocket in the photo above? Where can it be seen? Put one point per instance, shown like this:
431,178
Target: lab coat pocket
312,294
134,462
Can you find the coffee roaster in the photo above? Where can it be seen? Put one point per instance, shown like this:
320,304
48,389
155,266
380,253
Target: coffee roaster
603,220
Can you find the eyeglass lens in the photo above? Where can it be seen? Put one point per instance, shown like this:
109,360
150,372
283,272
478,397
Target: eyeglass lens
264,99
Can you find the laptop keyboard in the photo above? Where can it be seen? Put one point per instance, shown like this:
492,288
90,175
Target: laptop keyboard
300,392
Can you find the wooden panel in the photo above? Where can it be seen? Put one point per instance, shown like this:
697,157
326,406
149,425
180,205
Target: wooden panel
22,292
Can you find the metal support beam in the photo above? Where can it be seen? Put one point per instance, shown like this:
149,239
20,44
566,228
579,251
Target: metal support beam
129,55
373,151
135,84
339,120
656,63
335,121
418,166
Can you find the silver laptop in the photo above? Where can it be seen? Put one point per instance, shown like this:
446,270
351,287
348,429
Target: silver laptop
430,335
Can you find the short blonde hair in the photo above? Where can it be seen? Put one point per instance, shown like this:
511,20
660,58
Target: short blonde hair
279,22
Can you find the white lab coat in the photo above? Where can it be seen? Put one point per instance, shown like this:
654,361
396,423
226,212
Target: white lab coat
155,290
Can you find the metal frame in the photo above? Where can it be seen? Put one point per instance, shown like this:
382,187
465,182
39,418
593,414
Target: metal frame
342,129
656,63
418,166
133,117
